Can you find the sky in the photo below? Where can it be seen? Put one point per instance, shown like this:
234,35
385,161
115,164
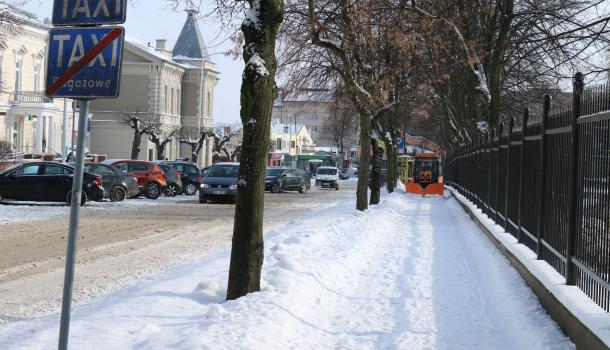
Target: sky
148,20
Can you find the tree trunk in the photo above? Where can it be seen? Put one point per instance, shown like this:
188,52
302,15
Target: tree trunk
362,191
160,151
376,169
135,145
257,95
389,146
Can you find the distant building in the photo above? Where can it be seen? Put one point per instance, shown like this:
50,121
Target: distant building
314,109
176,86
29,121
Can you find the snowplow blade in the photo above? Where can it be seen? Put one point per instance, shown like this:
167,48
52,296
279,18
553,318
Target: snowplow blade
433,189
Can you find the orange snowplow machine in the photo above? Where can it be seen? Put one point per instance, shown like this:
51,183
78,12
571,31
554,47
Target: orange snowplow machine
426,177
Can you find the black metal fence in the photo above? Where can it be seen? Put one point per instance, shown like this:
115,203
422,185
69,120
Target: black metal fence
547,182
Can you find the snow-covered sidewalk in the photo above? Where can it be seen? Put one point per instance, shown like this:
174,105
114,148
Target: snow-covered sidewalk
411,273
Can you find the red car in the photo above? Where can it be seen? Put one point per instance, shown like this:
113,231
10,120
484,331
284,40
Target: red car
151,179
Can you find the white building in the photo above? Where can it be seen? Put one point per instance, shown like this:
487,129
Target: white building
176,86
29,121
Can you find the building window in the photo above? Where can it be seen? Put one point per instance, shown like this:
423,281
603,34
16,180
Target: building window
18,72
171,102
37,72
293,144
278,144
178,102
165,97
315,128
1,64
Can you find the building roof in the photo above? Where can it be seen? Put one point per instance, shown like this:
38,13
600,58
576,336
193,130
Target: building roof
190,44
13,14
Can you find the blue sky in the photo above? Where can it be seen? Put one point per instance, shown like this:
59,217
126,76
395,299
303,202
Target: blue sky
148,20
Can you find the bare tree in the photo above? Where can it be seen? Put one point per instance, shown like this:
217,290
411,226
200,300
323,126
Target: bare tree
162,137
142,123
196,142
221,139
5,150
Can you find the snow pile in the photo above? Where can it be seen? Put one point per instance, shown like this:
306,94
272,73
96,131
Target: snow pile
410,273
15,212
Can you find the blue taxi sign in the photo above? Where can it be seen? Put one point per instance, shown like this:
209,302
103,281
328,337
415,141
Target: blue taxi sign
88,12
84,62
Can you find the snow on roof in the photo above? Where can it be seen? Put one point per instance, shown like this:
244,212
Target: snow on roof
138,44
12,13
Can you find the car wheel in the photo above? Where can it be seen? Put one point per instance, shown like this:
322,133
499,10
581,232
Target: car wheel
172,190
153,191
83,198
190,189
303,188
337,187
118,194
276,188
203,200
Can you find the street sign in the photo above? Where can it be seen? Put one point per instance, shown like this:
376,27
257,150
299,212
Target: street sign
84,62
88,12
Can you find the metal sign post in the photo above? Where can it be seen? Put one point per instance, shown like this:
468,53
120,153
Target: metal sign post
77,191
82,63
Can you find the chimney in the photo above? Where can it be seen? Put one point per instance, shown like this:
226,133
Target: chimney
161,44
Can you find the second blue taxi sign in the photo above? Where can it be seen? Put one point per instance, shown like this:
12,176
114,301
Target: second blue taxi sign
88,12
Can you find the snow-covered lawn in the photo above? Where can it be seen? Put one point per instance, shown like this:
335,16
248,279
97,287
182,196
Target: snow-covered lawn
410,273
14,212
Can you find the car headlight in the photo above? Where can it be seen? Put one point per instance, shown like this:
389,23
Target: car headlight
205,186
233,187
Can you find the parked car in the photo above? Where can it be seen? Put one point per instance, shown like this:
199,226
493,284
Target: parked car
327,177
204,171
47,182
220,183
118,185
189,174
343,175
286,179
151,179
173,180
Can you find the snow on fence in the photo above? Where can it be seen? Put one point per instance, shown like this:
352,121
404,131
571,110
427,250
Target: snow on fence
548,184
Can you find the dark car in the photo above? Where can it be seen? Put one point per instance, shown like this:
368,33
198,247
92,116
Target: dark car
343,175
286,179
118,185
189,174
220,184
151,179
174,182
47,182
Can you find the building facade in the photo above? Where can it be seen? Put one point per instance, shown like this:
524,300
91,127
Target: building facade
315,109
30,122
174,87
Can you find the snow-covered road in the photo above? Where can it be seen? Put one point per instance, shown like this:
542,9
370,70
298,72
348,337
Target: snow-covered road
411,273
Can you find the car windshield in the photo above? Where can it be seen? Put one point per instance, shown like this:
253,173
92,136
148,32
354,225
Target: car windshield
274,172
223,171
324,171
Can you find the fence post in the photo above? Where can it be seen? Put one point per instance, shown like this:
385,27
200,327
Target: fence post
511,125
542,176
526,117
490,140
497,186
578,85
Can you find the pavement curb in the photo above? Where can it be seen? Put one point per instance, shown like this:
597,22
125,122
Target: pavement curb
579,333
